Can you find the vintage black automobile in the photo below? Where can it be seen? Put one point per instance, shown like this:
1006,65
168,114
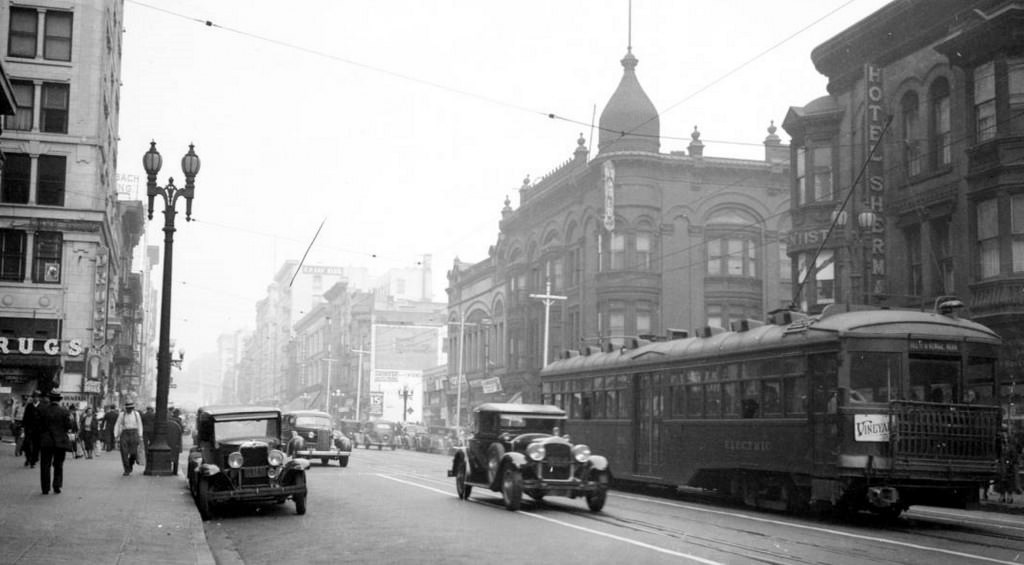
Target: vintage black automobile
239,457
519,448
316,437
380,433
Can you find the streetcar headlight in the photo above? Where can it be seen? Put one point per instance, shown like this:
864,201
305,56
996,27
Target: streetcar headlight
581,453
235,460
275,458
536,451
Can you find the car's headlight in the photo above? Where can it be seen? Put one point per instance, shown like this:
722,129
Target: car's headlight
536,451
312,435
235,460
275,458
581,453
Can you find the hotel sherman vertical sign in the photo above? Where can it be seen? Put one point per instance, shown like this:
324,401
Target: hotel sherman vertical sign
875,180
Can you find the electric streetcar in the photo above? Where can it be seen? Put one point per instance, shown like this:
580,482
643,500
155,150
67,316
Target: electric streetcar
857,408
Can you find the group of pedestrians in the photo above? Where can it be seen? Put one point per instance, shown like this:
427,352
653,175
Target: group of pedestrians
45,432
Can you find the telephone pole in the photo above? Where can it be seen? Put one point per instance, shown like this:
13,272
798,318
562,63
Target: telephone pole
548,299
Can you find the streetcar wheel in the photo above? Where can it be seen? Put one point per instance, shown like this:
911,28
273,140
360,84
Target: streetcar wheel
461,487
597,498
512,488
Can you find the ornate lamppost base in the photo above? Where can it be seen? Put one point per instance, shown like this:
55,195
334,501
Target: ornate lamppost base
159,461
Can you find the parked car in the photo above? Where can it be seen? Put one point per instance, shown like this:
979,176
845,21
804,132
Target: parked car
381,433
317,439
238,457
519,448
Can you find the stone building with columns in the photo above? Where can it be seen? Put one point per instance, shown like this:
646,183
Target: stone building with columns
632,240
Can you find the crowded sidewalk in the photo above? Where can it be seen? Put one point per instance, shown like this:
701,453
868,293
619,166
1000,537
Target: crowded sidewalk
99,517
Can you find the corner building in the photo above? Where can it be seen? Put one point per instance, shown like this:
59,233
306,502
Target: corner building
70,307
939,88
637,241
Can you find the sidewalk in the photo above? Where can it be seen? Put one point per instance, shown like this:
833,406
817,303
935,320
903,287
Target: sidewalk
100,516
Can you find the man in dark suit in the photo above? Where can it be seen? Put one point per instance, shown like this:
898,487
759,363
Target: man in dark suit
30,420
54,424
109,421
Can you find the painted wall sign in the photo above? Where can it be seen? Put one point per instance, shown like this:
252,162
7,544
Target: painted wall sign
871,427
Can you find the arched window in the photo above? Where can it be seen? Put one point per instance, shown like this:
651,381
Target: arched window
911,135
941,150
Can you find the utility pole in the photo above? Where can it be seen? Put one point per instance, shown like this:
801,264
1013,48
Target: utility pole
548,299
359,378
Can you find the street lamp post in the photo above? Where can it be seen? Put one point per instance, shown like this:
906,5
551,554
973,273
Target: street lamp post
406,394
359,380
159,458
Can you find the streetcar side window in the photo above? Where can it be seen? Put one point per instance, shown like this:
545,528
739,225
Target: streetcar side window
751,399
873,376
980,382
772,397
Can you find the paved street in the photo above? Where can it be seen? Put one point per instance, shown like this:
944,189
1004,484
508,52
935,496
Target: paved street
100,516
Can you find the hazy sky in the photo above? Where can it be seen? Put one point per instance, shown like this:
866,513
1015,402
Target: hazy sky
406,123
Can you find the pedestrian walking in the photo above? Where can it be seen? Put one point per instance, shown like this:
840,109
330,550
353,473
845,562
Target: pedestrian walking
128,430
75,437
88,430
30,422
174,442
109,423
55,423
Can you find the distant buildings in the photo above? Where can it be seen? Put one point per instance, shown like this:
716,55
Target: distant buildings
71,307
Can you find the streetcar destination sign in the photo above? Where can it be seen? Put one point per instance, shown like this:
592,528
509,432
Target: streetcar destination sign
929,346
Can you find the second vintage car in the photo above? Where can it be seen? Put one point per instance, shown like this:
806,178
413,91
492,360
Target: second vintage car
317,439
238,457
519,448
380,433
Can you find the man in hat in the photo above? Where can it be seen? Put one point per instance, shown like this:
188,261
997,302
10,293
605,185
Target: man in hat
30,421
128,431
54,424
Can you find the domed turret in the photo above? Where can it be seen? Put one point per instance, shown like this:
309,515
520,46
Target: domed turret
630,121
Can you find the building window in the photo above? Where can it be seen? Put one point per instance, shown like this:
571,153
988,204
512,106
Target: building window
57,41
988,238
732,257
942,244
50,190
1017,211
12,255
17,173
985,101
785,263
814,180
24,96
1015,72
911,135
822,157
819,282
941,149
643,251
53,108
643,318
801,174
22,37
572,261
618,251
715,316
46,260
616,322
556,270
915,285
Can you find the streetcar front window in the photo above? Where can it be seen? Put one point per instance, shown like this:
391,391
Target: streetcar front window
873,375
981,378
934,379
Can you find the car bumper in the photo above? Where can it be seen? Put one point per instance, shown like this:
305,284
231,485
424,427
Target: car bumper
256,494
317,454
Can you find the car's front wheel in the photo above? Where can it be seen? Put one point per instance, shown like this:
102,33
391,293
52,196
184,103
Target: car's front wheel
343,461
203,499
300,498
597,498
461,487
512,487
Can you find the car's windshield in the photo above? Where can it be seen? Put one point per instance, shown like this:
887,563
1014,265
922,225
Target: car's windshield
234,430
383,427
528,424
312,422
